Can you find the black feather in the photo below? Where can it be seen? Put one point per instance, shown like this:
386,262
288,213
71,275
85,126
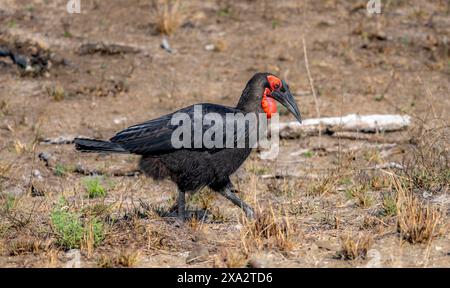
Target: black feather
93,145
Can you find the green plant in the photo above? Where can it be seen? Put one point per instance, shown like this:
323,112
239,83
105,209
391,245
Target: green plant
224,11
257,170
12,24
60,170
10,203
71,230
389,205
94,187
275,24
68,228
308,154
360,193
323,186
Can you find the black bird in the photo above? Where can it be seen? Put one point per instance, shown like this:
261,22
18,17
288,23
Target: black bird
194,167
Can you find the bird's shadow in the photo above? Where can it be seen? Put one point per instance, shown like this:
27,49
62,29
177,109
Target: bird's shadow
171,214
198,214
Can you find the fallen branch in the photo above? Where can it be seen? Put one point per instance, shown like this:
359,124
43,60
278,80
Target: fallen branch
288,174
107,49
349,123
352,148
50,162
118,173
285,175
60,140
390,165
358,136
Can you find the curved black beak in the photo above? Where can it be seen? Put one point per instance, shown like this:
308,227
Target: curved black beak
284,96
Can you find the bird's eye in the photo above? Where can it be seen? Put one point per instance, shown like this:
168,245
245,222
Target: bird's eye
274,82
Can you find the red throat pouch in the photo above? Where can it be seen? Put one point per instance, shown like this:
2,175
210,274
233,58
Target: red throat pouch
268,104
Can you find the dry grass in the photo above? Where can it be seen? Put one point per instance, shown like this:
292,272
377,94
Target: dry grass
157,238
203,199
230,258
324,186
428,159
283,188
379,182
4,169
27,245
417,222
220,45
361,194
354,246
125,258
52,258
167,15
268,230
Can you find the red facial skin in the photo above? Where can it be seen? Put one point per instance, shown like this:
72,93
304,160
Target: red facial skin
268,104
275,83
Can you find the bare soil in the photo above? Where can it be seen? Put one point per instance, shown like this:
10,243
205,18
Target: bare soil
396,62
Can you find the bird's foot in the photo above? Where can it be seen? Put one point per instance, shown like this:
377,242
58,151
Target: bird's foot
200,215
249,213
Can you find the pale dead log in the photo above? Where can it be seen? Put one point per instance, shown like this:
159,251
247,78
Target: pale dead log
350,123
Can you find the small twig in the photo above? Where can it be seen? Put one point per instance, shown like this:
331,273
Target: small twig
358,136
61,140
79,169
84,171
310,79
311,83
390,165
389,85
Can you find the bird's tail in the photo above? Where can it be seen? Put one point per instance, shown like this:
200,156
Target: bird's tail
93,145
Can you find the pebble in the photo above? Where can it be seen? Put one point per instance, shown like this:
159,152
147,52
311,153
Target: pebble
37,174
210,47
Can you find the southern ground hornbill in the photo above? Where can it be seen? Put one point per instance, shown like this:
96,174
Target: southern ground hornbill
194,167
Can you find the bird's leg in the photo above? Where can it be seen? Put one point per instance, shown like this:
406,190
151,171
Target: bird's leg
227,193
181,205
173,210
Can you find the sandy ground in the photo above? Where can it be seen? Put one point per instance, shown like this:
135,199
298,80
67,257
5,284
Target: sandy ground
394,62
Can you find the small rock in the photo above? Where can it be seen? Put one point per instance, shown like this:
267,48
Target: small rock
199,254
119,120
37,174
75,258
210,47
46,157
165,45
427,195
